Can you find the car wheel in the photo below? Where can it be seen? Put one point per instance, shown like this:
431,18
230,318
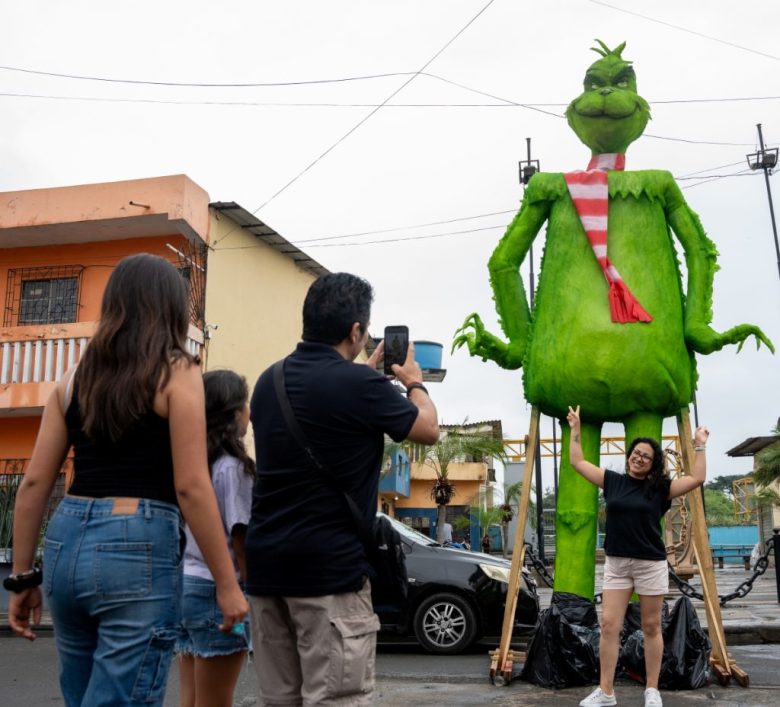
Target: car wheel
445,623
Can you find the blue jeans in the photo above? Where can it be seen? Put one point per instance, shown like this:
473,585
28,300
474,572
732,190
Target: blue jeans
200,620
112,577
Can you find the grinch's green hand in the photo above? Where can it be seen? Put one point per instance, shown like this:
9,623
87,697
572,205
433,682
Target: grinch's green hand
486,345
704,339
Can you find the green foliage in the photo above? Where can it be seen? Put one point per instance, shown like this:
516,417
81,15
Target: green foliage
455,446
767,497
724,484
767,464
720,509
486,517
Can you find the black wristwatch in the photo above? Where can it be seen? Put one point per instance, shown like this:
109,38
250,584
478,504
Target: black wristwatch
24,580
412,386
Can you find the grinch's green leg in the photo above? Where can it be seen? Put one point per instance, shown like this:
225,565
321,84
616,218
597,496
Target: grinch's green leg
643,424
576,519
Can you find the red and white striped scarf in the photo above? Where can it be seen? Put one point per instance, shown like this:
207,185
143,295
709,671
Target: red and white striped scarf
590,194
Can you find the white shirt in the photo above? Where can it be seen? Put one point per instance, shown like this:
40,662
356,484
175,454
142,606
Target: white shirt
233,488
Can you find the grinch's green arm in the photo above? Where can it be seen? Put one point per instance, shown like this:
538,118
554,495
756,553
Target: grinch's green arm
508,292
700,259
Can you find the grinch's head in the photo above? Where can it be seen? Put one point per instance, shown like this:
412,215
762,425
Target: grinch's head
609,114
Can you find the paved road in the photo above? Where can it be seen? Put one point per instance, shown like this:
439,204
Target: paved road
28,677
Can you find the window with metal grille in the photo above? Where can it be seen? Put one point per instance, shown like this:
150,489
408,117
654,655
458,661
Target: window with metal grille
42,295
48,301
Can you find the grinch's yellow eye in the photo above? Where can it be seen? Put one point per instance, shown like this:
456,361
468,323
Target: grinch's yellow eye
594,86
622,84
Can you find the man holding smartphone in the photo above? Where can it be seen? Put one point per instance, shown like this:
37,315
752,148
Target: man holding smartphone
313,625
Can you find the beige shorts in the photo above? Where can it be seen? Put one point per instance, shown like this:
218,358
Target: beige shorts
649,577
315,650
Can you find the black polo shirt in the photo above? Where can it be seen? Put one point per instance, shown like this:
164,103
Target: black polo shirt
633,527
301,539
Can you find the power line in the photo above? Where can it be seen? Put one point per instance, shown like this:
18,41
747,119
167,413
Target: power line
715,177
183,84
310,241
700,142
405,228
386,240
685,29
331,104
708,169
371,113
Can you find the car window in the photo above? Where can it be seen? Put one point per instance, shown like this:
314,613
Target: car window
409,534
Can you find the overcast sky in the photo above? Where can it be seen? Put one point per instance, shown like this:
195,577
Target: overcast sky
425,156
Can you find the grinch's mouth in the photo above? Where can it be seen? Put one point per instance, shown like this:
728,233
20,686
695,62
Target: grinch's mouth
604,112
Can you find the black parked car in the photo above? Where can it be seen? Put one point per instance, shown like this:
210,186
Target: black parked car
455,596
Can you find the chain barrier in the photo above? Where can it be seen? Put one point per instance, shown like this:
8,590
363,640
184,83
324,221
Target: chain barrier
741,591
685,588
544,573
539,566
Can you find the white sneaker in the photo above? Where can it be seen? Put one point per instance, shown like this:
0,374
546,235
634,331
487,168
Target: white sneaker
653,698
599,697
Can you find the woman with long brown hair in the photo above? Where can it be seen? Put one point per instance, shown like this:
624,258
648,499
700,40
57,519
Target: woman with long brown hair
133,411
210,661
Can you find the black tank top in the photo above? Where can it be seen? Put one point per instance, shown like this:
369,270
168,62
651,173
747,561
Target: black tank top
139,465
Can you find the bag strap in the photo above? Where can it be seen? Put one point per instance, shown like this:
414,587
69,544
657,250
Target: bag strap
365,534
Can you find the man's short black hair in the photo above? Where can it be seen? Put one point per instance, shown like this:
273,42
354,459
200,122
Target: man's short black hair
333,304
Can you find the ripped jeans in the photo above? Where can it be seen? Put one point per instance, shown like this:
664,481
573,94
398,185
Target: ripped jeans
112,579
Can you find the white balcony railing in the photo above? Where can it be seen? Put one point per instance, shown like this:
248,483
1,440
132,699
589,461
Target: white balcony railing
40,361
45,360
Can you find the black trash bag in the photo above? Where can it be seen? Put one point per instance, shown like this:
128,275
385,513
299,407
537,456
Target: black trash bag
631,624
633,619
686,659
564,649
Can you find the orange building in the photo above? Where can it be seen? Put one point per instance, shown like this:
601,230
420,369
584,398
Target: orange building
57,249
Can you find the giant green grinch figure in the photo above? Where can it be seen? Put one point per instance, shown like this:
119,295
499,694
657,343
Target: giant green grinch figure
611,328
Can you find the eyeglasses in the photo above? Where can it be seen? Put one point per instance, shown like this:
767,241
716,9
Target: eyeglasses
642,456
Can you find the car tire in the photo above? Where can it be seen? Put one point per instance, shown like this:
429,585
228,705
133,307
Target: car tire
445,623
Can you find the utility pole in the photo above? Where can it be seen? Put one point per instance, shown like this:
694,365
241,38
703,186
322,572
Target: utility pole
528,168
766,160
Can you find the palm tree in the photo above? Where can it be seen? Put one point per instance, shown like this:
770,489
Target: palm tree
766,469
456,444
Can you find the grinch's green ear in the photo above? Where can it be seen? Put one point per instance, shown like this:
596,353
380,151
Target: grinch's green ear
604,50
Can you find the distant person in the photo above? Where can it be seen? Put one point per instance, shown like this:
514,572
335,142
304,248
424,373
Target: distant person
486,544
466,543
133,412
447,538
313,624
635,554
209,660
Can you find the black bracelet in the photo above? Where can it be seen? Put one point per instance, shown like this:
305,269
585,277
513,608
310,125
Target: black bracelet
412,386
24,580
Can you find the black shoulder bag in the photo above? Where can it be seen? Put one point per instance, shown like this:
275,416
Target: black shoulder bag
382,542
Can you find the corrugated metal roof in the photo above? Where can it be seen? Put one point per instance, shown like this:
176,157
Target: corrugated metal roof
752,446
249,222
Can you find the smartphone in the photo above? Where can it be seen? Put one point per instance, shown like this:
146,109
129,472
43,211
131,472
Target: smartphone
396,344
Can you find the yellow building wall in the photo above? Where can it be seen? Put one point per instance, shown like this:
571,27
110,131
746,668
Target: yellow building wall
254,298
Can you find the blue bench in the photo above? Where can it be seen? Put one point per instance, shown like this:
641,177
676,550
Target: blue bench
724,553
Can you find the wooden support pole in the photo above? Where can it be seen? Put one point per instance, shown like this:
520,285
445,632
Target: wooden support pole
501,665
722,665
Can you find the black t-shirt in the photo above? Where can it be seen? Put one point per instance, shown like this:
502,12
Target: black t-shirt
633,521
302,539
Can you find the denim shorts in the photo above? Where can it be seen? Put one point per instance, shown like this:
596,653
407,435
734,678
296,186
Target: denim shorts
200,619
112,573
